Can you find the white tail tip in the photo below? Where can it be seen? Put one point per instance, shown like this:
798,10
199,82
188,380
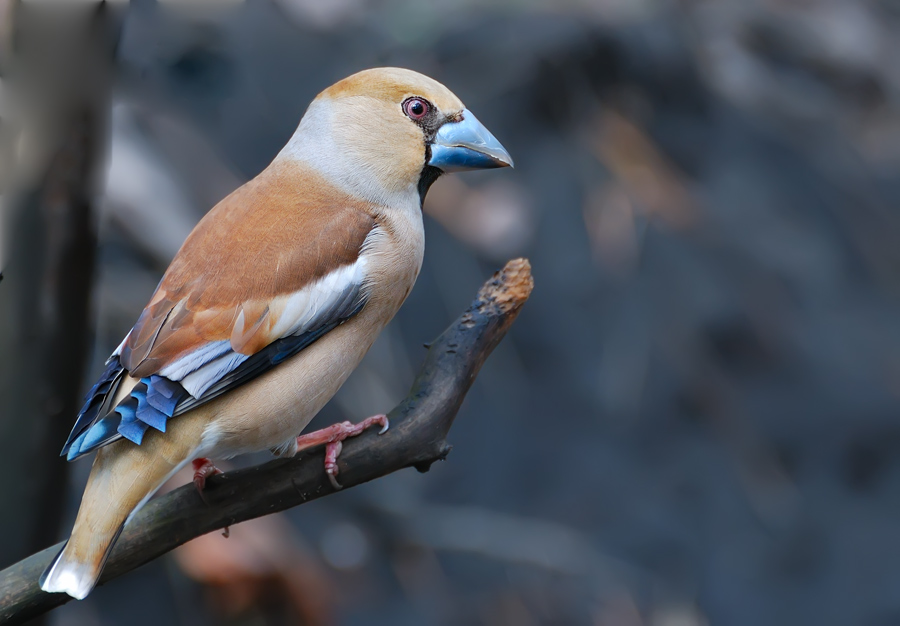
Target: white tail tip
75,579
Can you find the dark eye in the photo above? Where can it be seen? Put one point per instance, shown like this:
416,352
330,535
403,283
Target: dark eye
416,108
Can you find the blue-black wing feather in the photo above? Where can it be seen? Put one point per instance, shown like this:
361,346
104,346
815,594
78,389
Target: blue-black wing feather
156,399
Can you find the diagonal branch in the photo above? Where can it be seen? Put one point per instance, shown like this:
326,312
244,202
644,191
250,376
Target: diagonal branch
417,438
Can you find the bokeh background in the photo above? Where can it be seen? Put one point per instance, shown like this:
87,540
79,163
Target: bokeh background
694,421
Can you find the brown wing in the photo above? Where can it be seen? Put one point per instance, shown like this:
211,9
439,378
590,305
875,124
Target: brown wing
235,275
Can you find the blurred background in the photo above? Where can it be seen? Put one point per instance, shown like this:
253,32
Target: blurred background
694,421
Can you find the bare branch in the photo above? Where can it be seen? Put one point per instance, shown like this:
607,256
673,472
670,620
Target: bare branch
417,438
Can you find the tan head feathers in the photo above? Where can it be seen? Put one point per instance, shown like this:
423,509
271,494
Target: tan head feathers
394,84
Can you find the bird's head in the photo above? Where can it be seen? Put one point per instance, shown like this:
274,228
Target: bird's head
389,132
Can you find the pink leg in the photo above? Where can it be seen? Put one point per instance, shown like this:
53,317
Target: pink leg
332,438
203,469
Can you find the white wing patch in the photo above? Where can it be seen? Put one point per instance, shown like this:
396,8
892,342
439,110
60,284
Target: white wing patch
204,377
178,369
323,302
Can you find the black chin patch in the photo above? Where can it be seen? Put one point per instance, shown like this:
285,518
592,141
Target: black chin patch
426,178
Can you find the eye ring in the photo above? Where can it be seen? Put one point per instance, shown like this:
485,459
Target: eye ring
416,108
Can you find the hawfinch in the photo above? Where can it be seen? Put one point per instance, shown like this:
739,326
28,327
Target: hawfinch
271,302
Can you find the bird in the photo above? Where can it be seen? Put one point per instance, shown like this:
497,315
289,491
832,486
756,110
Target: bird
271,302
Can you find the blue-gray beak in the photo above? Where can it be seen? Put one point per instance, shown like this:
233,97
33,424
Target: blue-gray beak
467,145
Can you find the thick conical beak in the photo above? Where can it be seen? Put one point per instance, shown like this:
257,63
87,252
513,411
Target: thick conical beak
467,145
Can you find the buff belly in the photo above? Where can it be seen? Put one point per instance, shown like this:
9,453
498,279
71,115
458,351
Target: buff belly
292,394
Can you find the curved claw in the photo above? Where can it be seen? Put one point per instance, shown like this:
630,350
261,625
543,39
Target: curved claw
332,451
203,469
332,437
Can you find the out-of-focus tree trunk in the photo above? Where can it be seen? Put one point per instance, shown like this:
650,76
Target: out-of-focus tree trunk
56,88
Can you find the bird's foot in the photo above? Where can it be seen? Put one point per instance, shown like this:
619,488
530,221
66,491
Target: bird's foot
332,437
203,469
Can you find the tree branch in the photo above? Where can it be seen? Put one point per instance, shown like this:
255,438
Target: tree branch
417,438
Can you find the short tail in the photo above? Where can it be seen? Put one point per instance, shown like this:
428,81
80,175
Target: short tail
123,478
67,574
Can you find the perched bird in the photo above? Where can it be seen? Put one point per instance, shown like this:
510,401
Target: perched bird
271,302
